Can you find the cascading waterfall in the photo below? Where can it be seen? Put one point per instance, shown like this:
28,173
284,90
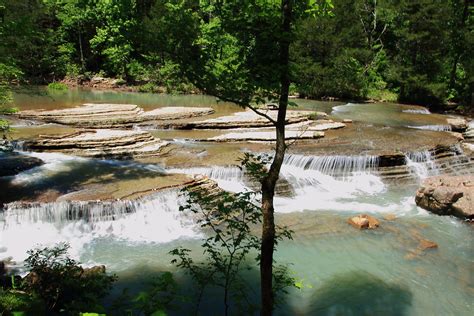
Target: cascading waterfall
153,219
60,212
18,145
417,111
331,183
337,165
439,128
421,164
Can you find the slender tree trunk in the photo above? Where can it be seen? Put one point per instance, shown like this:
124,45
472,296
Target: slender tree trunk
83,64
269,182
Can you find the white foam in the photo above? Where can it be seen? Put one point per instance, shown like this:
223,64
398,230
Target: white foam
155,219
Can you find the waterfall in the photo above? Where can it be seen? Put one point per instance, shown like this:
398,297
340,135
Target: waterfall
337,165
439,128
153,219
19,145
330,183
60,212
421,164
417,111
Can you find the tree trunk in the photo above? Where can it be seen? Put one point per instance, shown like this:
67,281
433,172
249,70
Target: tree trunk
83,64
269,182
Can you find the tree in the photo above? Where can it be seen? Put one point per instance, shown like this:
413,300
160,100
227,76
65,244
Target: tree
239,52
417,47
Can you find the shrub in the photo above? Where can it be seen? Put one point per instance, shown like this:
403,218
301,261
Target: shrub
14,301
62,284
59,86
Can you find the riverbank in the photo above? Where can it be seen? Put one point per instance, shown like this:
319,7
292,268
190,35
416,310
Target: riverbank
117,84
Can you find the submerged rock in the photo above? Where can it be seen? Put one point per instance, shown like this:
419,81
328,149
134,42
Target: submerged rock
427,244
13,164
364,221
112,115
122,144
448,195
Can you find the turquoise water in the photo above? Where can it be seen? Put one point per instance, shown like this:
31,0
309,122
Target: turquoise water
344,271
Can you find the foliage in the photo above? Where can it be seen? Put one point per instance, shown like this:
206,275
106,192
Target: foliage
155,300
363,48
8,73
228,220
231,221
58,86
61,283
12,300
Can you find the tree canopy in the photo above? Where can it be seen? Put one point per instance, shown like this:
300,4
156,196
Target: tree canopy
416,52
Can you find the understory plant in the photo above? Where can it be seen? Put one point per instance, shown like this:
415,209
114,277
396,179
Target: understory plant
62,284
231,222
58,86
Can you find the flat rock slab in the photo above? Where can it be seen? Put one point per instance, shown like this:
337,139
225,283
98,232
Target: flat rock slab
264,136
110,143
250,119
112,115
448,195
174,113
319,125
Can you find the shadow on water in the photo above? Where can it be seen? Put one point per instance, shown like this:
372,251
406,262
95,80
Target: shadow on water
185,299
360,293
72,176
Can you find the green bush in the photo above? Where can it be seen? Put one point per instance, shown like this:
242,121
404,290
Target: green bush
384,95
59,86
62,284
149,87
17,301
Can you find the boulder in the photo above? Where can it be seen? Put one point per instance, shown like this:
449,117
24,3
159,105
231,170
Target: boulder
110,143
448,195
13,164
457,124
93,271
364,221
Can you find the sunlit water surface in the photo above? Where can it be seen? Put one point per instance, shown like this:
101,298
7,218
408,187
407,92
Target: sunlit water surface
344,271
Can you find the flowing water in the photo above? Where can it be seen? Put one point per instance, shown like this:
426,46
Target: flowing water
344,271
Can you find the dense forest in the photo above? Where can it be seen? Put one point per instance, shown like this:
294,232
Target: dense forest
410,51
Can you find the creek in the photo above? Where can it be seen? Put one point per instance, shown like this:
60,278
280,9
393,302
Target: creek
344,271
